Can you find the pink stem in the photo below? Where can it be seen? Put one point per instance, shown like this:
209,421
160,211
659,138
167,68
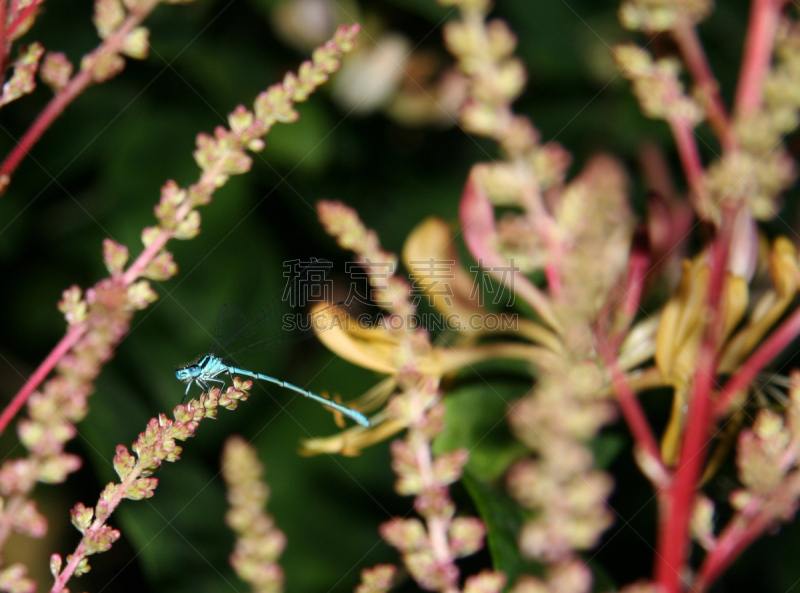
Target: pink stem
767,351
76,332
146,256
101,516
638,266
54,108
67,342
689,155
21,17
685,36
764,19
3,48
66,95
735,539
553,276
739,534
552,269
129,277
673,541
438,524
634,415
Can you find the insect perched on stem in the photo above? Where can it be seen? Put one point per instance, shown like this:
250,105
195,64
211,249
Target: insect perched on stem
260,332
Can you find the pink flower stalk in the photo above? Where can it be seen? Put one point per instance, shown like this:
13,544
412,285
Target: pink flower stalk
429,548
121,34
258,542
154,446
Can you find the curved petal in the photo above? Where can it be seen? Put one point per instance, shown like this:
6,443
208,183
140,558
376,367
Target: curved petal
372,348
430,256
480,235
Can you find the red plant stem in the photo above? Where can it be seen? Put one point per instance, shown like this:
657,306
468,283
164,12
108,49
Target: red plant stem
689,155
673,539
68,341
76,332
638,265
763,24
78,84
54,108
3,37
102,513
148,253
22,17
553,276
767,351
129,277
759,514
635,417
685,36
552,268
736,537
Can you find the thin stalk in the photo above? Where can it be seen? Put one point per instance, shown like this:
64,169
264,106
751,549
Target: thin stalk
673,546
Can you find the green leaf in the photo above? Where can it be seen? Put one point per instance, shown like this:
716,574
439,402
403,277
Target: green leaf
475,420
606,447
503,519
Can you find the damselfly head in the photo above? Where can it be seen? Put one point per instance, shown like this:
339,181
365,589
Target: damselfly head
183,374
188,372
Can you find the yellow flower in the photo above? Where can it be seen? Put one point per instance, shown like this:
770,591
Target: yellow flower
683,322
404,354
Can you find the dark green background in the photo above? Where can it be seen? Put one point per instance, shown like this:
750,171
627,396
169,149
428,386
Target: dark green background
97,173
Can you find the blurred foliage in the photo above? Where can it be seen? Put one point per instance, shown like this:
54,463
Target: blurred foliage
97,172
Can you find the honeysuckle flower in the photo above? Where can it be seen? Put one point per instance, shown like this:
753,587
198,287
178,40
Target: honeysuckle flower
387,351
681,328
579,235
404,353
452,290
